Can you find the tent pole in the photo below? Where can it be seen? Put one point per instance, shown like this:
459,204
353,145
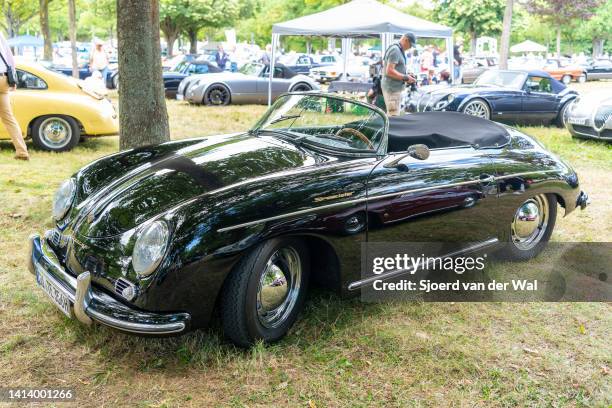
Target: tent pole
451,58
346,45
275,38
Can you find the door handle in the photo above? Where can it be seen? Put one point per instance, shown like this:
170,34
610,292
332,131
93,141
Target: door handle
487,178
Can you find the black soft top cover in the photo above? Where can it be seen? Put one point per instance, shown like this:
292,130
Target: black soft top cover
444,129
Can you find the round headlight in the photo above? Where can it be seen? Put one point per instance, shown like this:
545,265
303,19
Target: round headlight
62,200
149,248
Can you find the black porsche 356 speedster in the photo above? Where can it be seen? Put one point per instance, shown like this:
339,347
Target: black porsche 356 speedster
152,240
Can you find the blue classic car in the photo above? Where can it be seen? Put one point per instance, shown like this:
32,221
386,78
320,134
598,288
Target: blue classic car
111,79
505,96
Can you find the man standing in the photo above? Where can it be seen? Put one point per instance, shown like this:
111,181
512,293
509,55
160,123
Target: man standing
458,59
395,74
7,64
98,60
221,57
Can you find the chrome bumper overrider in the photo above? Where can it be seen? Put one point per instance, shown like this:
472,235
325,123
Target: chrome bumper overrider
90,304
583,200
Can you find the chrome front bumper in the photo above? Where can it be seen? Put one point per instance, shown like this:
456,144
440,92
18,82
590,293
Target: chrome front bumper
91,304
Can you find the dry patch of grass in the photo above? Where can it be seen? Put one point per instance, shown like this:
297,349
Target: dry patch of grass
341,353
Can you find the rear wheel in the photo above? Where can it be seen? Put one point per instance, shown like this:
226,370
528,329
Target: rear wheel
478,108
566,79
531,227
265,292
301,87
55,133
217,95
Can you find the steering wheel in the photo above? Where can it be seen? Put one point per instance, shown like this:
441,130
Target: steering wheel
355,132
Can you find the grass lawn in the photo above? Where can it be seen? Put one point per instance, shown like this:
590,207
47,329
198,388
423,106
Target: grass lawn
341,352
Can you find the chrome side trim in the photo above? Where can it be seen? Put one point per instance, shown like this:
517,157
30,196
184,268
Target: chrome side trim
399,272
291,214
378,197
29,260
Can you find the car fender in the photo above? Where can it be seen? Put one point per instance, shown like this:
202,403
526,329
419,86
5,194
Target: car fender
471,97
303,78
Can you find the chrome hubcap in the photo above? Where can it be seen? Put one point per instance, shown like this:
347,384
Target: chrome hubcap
279,286
55,132
530,221
477,109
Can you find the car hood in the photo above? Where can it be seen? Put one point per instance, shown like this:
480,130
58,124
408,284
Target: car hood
166,182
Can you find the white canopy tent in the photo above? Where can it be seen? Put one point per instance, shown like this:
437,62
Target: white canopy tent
359,18
528,46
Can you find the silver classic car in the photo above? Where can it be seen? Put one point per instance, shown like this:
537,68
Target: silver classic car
590,116
248,85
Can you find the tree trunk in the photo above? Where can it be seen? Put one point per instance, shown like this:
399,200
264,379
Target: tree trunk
598,44
473,38
505,37
72,34
558,42
143,117
44,28
193,40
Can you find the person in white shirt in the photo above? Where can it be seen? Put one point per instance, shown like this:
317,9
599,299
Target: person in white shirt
98,60
7,63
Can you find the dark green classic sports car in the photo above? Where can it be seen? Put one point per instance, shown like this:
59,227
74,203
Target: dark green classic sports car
152,240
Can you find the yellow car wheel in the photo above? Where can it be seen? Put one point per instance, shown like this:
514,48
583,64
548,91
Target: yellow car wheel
55,133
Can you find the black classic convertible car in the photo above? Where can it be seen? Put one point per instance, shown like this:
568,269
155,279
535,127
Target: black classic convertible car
152,240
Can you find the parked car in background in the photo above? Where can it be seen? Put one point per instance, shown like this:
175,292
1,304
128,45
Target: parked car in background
155,240
325,59
590,116
501,95
599,69
357,69
472,68
299,63
172,79
564,71
112,77
170,64
55,111
248,85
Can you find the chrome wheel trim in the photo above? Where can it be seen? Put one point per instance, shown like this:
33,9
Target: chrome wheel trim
530,222
279,287
217,96
478,109
55,132
566,79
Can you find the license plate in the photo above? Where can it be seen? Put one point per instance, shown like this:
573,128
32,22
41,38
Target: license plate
179,97
55,294
577,121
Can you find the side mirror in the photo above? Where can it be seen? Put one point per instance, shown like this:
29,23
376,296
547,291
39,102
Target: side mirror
417,151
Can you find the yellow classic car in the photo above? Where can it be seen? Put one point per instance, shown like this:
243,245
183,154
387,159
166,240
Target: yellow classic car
56,110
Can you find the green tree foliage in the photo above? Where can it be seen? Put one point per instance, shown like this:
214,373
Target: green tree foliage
189,16
15,13
599,28
563,13
476,18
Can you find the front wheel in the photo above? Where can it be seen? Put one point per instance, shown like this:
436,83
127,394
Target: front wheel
55,133
478,108
582,78
265,292
217,95
531,227
301,87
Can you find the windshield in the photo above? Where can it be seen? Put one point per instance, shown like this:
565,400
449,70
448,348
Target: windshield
251,69
326,121
506,79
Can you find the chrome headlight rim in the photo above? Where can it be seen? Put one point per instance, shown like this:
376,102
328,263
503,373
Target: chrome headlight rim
444,102
68,192
145,267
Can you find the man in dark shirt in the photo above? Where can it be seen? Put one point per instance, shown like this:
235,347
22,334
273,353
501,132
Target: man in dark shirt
221,57
458,59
